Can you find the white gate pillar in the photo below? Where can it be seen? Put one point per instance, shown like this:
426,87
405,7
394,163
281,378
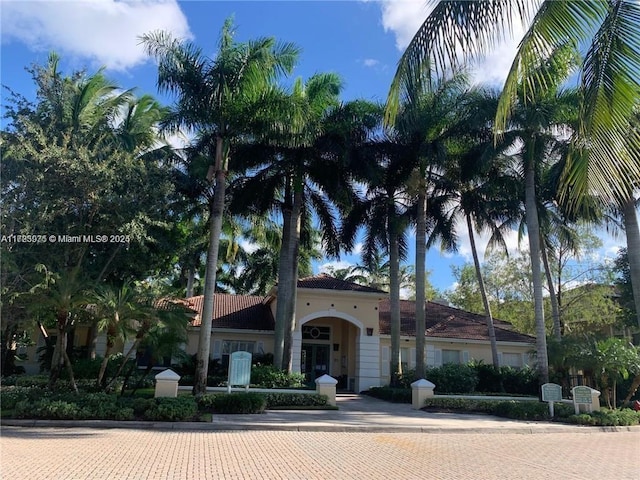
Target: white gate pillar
367,362
296,351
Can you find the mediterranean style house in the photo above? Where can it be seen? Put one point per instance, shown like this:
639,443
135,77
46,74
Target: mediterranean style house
342,329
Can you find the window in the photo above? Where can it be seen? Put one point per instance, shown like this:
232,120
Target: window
404,358
312,332
512,360
230,346
450,356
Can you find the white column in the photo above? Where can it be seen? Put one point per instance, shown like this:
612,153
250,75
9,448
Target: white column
296,351
367,362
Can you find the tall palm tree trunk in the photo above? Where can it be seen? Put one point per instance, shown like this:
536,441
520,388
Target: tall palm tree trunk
287,360
533,228
633,250
421,278
483,293
215,227
285,273
190,281
555,305
394,300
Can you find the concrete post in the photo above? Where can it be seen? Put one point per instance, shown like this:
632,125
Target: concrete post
595,400
420,390
326,385
167,384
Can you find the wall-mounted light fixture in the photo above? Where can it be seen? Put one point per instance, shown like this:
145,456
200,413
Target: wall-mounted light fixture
336,347
369,332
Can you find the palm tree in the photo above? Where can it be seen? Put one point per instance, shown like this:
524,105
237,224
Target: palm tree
383,212
536,124
115,309
213,95
482,188
457,31
424,125
296,171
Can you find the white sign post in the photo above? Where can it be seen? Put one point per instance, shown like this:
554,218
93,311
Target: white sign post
239,370
551,392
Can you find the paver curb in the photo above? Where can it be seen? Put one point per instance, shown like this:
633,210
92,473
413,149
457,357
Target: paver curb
526,429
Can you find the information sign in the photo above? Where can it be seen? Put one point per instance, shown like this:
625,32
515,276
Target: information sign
551,392
239,370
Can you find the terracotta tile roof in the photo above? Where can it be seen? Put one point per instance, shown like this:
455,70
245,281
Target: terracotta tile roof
447,322
243,312
326,282
252,313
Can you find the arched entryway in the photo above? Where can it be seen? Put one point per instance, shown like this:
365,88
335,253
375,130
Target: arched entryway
335,343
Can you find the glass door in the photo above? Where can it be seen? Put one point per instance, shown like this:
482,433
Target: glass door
314,361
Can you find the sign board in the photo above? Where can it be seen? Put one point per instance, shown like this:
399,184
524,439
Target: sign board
239,369
551,392
582,395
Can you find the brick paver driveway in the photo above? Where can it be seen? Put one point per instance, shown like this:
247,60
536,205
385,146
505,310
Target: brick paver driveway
83,453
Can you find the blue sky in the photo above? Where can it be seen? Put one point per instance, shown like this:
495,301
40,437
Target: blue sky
360,40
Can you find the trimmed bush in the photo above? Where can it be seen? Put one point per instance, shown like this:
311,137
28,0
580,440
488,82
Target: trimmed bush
453,378
522,410
267,376
395,395
180,409
489,378
523,381
239,403
295,400
608,418
10,396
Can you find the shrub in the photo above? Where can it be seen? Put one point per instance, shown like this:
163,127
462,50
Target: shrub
489,378
124,414
178,409
453,378
32,381
48,409
10,396
522,410
267,376
239,403
522,381
139,405
395,395
294,400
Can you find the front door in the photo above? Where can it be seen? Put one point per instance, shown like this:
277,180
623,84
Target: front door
314,361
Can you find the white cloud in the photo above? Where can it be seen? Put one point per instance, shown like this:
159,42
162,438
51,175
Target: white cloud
249,247
336,265
370,62
404,18
103,31
510,238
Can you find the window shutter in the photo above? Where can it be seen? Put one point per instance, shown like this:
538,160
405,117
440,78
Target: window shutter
499,359
430,355
216,352
386,369
465,357
438,358
412,358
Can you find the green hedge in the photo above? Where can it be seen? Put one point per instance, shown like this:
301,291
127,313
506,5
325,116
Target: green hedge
395,395
234,403
267,376
179,409
295,400
39,404
606,417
